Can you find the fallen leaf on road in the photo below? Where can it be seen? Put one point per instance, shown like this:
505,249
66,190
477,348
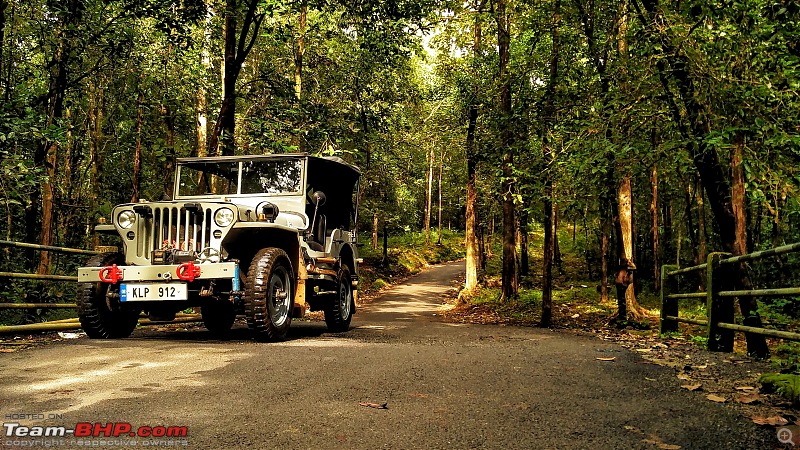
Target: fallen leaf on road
644,350
384,405
745,388
748,399
776,421
716,398
633,429
607,359
692,387
683,376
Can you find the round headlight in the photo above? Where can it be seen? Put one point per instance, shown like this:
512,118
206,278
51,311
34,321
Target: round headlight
126,219
223,217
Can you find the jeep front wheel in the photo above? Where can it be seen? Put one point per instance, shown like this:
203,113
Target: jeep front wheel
100,311
339,309
269,295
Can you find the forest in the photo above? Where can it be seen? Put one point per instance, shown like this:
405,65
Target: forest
650,131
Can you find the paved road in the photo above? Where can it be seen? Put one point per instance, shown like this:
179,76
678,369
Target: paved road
446,385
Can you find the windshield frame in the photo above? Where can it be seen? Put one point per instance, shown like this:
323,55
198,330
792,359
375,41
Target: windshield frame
239,162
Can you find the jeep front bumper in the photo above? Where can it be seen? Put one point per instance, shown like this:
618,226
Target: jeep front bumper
161,273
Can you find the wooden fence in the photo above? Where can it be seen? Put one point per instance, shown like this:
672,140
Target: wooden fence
719,296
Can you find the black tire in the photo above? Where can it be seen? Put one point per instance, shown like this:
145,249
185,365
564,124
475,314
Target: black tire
218,317
269,295
339,308
101,316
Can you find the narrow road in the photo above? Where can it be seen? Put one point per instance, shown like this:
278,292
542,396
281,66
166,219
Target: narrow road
445,385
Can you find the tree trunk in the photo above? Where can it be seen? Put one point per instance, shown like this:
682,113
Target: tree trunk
691,231
604,253
222,135
95,132
654,228
441,164
701,223
202,95
510,281
548,115
524,259
300,51
169,164
475,250
236,51
385,260
137,155
557,257
428,197
375,231
628,307
756,345
3,82
482,246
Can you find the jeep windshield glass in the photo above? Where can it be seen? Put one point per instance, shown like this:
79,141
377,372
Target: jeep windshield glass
209,178
272,176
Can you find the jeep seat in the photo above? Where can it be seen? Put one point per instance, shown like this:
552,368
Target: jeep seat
317,243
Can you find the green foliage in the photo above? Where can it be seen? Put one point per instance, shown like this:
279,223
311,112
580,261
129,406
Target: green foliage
700,341
786,357
784,384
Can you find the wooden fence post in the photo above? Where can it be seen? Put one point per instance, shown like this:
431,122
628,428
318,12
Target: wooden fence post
669,306
720,309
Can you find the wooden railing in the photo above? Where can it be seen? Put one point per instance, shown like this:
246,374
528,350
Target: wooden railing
719,295
47,277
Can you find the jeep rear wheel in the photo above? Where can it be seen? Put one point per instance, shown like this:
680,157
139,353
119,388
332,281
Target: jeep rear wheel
339,309
269,295
100,312
218,316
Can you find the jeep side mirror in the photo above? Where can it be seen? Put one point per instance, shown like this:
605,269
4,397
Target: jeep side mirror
319,198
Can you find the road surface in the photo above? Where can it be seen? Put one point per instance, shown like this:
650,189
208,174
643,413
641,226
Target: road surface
444,385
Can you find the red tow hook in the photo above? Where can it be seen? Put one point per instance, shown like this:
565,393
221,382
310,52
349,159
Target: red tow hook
110,274
188,271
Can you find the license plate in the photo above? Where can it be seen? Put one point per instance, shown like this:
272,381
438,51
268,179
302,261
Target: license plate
142,292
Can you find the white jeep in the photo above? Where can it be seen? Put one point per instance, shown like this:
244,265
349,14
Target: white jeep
268,236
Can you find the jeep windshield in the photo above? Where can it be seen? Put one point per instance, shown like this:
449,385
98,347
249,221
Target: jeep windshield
262,176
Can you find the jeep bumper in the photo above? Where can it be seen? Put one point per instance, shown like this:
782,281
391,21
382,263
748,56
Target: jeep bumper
162,273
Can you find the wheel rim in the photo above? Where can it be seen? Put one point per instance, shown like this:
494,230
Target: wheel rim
344,300
280,296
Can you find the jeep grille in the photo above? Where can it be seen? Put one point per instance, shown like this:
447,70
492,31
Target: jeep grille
172,227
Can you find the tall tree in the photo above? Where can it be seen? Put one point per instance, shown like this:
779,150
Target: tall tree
548,120
510,281
473,254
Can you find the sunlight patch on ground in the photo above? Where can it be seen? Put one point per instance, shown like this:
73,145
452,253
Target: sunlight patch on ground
127,373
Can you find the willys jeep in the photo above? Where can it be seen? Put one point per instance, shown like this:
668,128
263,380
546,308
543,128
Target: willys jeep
269,236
